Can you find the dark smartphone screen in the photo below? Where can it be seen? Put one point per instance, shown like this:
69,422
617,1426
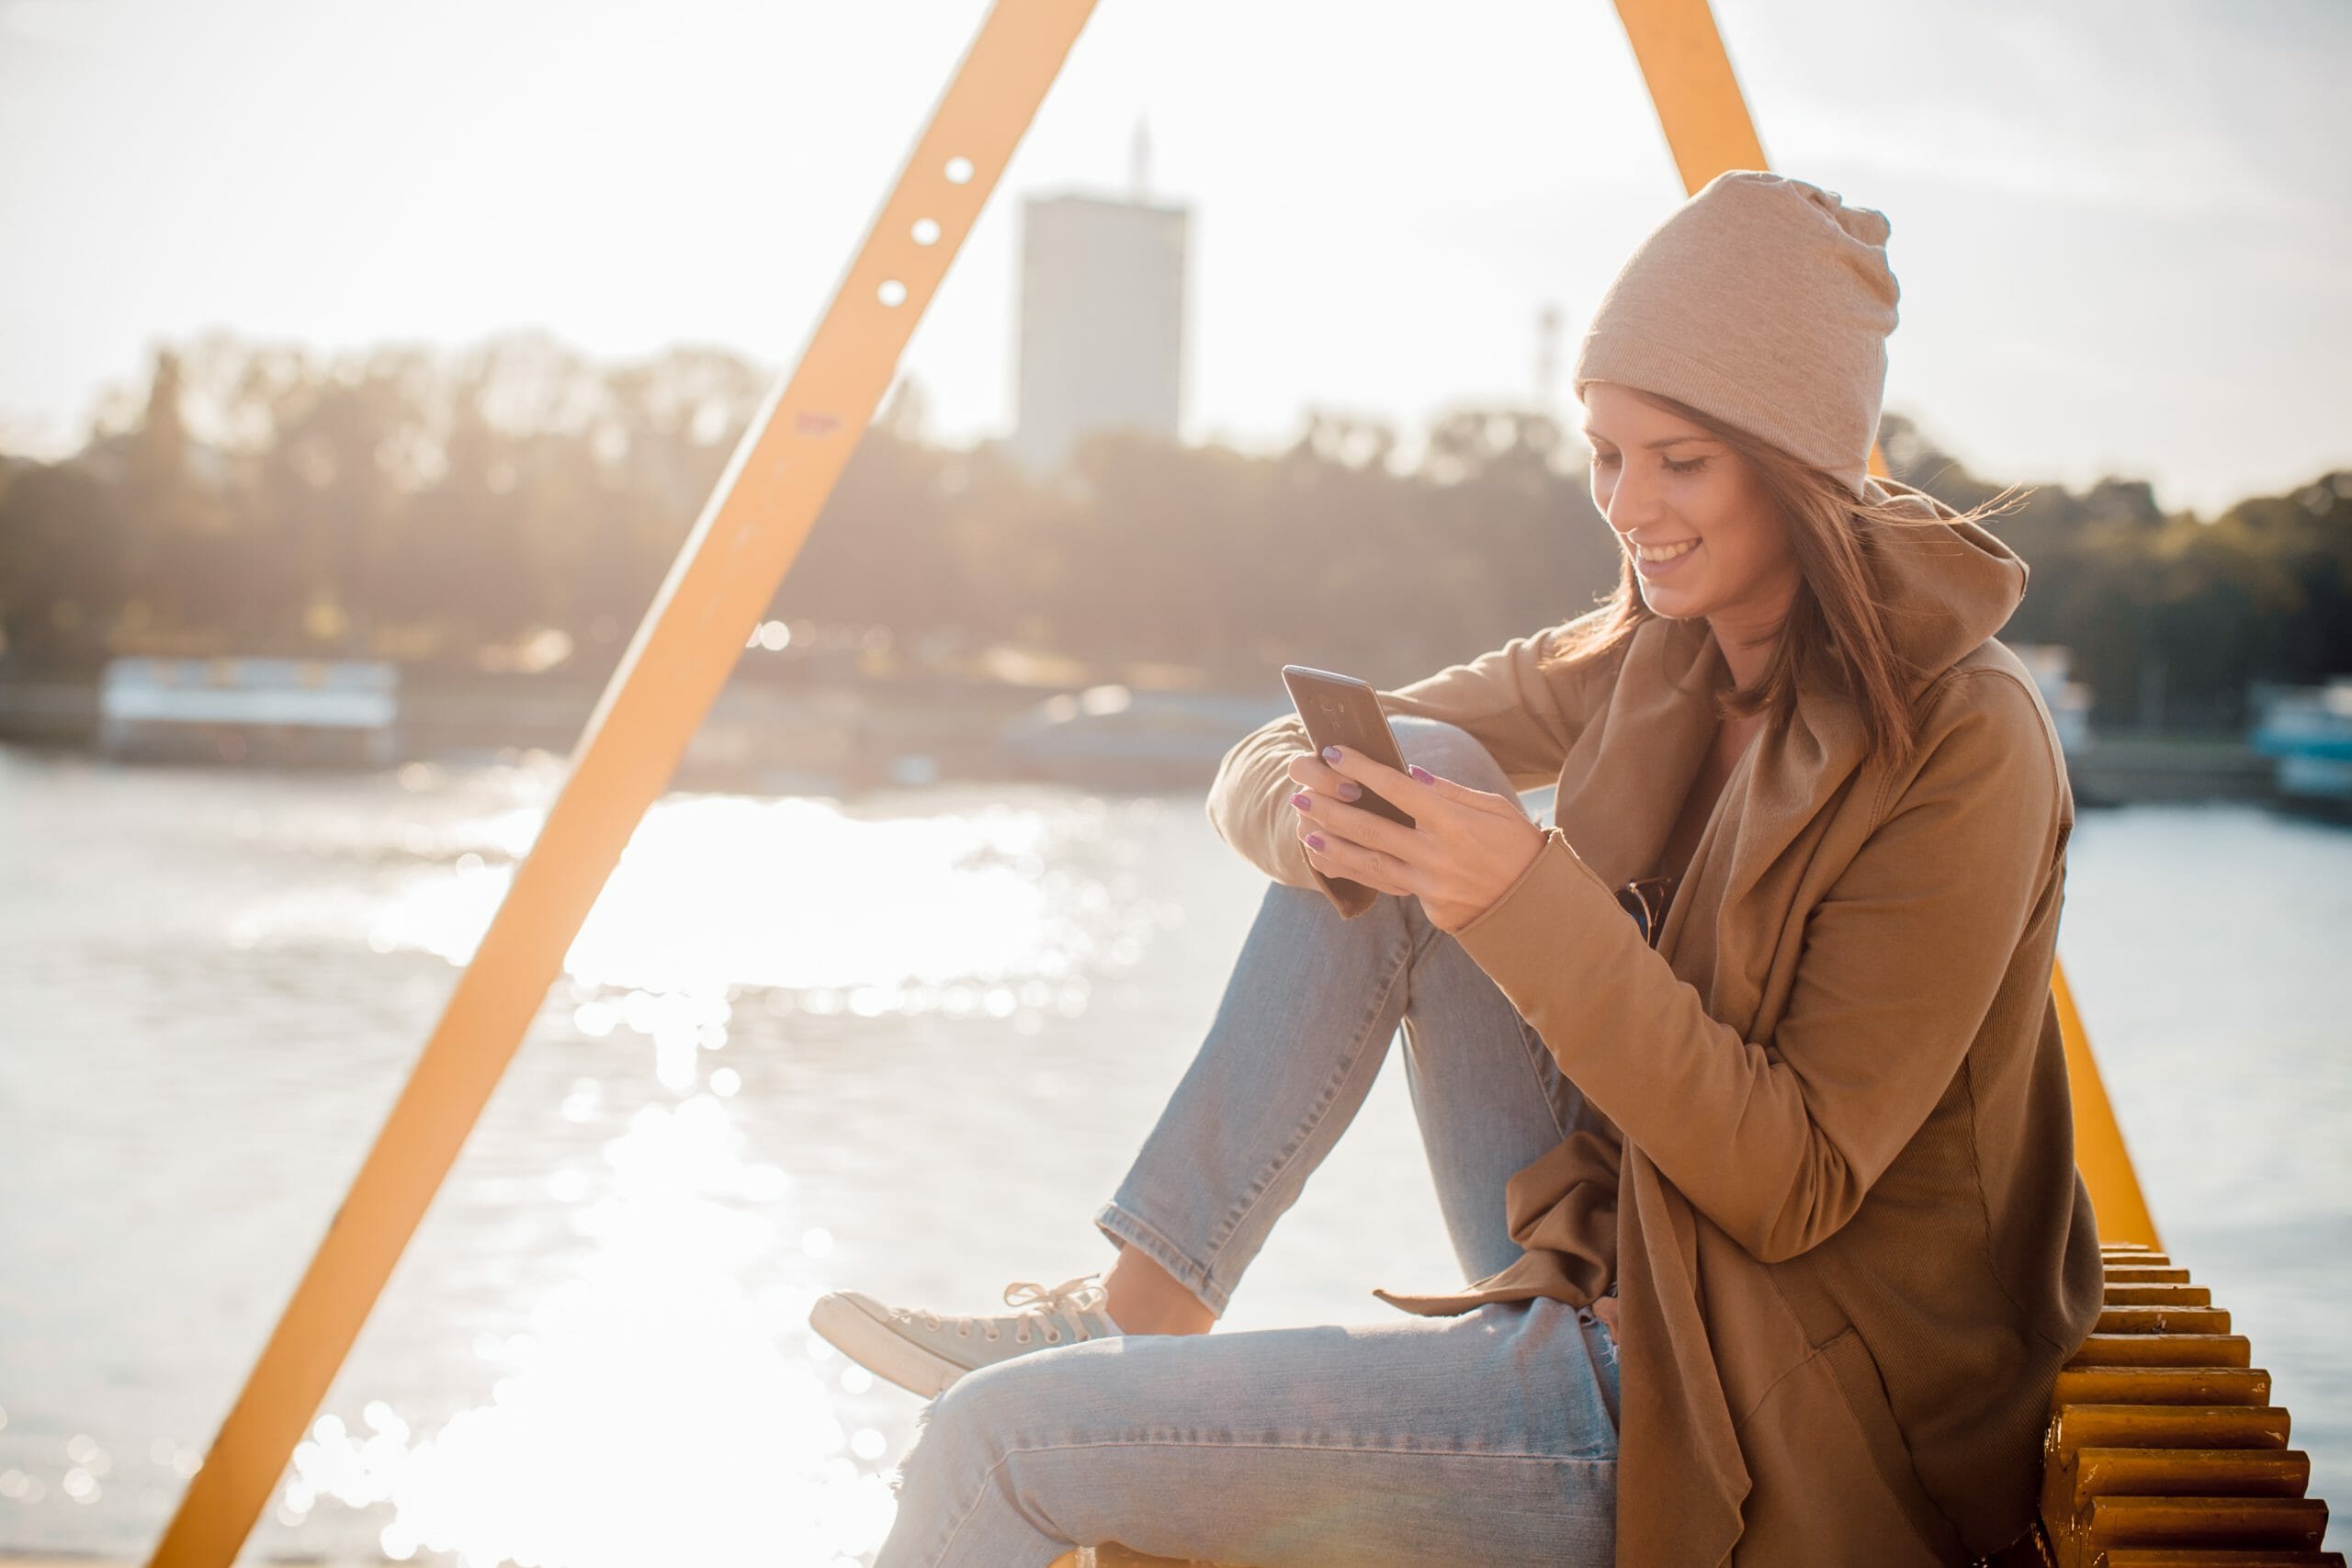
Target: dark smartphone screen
1339,710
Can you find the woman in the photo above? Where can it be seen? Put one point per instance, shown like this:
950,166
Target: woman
1766,1194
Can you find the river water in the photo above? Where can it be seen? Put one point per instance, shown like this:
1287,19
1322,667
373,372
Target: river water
904,1043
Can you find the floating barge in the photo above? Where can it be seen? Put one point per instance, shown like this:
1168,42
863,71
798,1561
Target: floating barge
2309,730
235,710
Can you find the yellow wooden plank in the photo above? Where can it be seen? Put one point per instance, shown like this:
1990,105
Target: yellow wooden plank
2160,1385
2162,1320
2163,1557
2118,1294
720,583
2293,1522
2080,1426
2163,1350
2190,1472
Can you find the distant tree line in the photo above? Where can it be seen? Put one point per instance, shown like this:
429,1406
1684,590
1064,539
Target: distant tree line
434,508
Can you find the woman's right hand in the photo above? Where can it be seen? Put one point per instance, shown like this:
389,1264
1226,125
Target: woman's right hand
1325,781
1321,782
1312,776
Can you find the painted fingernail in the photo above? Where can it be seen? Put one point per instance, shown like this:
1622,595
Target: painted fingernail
1313,840
1301,801
1349,790
1331,753
1422,773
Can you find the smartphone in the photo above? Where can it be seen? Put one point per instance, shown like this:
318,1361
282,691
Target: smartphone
1340,710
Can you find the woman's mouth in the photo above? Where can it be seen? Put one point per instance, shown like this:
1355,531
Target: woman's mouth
1663,559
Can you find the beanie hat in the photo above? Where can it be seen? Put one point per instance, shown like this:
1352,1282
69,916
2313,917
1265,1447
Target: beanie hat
1765,302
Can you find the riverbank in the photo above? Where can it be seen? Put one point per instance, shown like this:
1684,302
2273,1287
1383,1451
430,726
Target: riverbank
2144,768
763,737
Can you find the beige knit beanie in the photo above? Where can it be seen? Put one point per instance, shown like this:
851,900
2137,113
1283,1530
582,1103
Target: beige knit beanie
1766,302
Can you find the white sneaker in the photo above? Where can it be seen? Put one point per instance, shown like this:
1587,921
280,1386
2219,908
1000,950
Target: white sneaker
923,1352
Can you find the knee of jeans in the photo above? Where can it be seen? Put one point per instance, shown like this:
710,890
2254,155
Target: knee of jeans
983,1416
1449,751
985,1405
955,1435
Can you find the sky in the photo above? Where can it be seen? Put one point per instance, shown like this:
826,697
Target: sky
2122,228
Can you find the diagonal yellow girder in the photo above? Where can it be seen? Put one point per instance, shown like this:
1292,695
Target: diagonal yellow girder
1707,129
2099,1153
724,577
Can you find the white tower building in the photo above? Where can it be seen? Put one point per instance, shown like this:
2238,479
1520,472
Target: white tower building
1102,317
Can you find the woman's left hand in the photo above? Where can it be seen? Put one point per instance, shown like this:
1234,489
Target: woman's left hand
1465,850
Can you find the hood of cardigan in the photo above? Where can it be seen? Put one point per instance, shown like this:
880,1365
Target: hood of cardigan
1943,586
1947,587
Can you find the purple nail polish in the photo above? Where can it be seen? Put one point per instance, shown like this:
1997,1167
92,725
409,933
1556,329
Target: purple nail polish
1422,773
1331,753
1301,801
1313,840
1349,791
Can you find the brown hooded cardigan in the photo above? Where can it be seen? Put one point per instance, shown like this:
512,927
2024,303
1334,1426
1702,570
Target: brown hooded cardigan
1834,1190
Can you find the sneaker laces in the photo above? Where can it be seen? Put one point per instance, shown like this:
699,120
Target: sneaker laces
1035,1305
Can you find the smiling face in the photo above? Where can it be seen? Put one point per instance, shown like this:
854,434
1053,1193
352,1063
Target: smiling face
1670,489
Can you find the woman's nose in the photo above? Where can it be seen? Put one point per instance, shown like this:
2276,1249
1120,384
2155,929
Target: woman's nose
1632,502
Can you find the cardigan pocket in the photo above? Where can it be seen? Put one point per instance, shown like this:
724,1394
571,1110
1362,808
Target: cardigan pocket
1831,1477
1846,1364
1864,1390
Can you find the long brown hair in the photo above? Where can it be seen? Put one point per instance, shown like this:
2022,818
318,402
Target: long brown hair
1834,635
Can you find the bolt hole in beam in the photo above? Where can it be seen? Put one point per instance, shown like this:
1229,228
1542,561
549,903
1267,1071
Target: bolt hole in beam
958,171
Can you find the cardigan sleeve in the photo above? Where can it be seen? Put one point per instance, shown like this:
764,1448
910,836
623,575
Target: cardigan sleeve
1777,1141
1526,716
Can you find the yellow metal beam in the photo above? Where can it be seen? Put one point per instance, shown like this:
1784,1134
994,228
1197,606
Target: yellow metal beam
1684,64
2099,1153
723,579
1708,128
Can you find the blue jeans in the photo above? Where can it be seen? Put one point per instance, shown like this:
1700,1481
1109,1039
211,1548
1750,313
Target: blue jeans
1488,1438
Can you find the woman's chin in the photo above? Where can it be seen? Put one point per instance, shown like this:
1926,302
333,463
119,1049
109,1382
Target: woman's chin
1667,603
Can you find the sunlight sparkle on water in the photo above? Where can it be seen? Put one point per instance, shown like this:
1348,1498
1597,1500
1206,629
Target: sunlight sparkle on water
720,890
652,1376
652,1394
651,1412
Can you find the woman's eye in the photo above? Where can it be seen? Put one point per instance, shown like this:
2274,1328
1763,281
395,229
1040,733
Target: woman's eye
1609,460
